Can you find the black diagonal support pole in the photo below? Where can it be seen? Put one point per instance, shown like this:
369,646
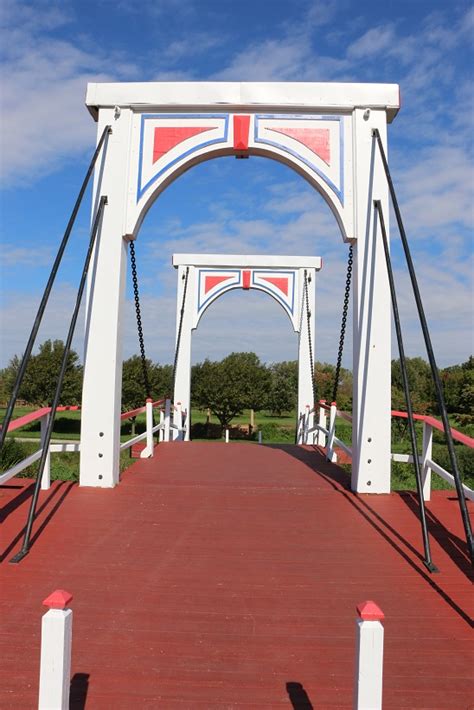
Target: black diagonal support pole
34,331
67,347
180,328
429,349
406,388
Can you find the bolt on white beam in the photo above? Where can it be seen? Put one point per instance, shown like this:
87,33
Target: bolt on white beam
56,642
369,657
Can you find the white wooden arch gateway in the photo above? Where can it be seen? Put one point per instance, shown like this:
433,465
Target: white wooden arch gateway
203,278
160,130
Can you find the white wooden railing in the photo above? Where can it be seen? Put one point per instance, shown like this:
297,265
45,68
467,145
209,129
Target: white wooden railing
323,433
41,415
164,427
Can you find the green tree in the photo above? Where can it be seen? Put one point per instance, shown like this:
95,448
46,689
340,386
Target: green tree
283,387
41,376
420,383
133,386
324,374
239,381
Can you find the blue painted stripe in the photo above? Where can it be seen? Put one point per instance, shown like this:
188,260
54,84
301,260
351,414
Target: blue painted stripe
276,273
222,288
193,116
312,166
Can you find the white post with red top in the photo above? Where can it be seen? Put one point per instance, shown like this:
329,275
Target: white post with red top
331,454
148,450
323,422
56,642
369,657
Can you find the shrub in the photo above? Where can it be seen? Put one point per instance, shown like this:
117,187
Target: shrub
11,453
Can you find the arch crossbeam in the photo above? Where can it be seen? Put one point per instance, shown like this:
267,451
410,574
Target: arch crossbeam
212,275
325,132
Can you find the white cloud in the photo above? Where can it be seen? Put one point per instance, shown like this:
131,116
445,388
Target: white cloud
437,190
374,41
44,120
26,256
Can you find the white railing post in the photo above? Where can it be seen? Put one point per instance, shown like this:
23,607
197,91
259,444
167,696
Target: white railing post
426,456
369,657
259,437
167,419
161,433
331,455
306,424
299,429
148,450
323,421
46,477
179,421
226,436
55,664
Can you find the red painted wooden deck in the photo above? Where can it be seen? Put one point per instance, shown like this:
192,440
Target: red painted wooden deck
226,576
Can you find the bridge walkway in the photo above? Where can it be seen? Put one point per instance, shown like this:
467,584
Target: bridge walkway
226,576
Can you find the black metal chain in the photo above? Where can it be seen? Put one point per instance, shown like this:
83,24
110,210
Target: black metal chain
345,307
310,346
139,320
178,339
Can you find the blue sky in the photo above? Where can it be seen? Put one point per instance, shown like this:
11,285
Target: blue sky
49,51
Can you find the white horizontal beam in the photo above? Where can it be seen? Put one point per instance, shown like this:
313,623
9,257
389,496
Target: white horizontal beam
64,448
301,97
20,466
250,261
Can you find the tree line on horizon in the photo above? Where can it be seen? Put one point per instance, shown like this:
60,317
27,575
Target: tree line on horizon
237,382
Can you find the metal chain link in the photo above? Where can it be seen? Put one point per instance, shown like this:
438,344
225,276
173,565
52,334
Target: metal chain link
178,339
310,346
139,320
343,324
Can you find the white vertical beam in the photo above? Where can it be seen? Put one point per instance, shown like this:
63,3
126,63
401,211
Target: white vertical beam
371,314
182,388
102,388
56,642
305,385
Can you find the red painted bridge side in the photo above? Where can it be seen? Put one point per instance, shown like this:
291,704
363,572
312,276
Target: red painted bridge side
227,576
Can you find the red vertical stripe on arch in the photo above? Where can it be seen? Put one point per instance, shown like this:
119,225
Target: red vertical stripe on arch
246,280
241,132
